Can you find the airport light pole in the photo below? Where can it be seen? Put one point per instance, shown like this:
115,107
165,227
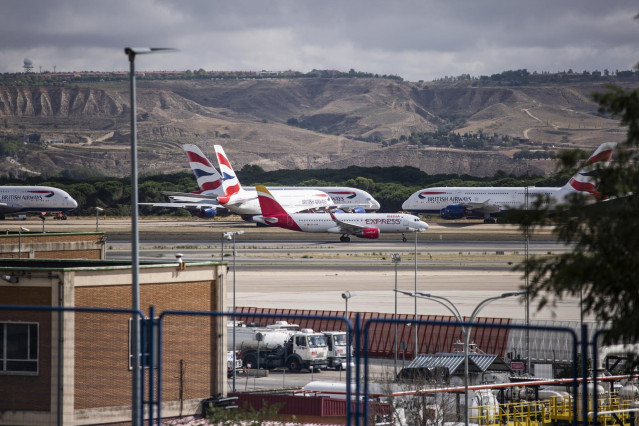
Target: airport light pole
137,413
97,218
20,231
448,304
231,236
396,259
347,295
415,316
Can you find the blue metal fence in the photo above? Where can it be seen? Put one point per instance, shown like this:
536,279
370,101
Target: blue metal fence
152,354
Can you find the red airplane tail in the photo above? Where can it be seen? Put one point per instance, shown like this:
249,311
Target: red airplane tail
268,203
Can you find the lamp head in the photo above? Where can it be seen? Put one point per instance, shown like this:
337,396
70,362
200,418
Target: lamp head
348,294
513,293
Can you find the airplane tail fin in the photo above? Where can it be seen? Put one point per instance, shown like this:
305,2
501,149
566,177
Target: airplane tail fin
268,204
207,176
230,182
583,180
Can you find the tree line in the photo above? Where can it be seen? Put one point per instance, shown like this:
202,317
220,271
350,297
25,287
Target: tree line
389,185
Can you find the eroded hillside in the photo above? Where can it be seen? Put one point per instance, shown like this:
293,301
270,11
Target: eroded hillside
295,123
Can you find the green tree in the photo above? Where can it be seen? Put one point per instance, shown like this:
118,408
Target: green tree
603,265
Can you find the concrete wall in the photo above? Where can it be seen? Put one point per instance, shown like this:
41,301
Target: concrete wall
83,245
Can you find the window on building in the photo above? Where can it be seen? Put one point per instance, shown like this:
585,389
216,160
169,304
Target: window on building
18,348
145,349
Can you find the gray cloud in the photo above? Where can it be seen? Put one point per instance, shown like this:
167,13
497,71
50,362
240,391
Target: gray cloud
416,39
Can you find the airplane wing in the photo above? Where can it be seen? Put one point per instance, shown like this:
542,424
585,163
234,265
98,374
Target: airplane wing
346,228
486,207
189,194
188,206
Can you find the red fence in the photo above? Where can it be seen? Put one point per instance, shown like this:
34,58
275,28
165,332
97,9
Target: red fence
431,338
305,406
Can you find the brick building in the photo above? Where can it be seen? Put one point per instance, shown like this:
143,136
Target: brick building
74,367
52,245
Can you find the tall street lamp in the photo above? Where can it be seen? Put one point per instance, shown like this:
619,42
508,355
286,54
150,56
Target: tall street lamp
465,330
396,259
137,413
231,236
415,316
347,295
97,218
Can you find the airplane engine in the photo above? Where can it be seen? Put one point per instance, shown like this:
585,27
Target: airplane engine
453,211
338,211
206,213
370,233
358,210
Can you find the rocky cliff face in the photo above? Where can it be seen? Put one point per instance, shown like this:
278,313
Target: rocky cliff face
89,126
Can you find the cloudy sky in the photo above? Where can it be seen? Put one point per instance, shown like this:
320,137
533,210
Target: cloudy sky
415,39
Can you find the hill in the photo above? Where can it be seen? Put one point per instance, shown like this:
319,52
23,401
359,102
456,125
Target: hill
297,123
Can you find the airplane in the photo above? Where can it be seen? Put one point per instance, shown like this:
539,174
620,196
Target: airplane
41,199
488,202
209,180
345,198
215,194
362,225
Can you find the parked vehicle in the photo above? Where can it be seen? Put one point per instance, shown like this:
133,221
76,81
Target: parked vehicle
229,363
272,348
338,347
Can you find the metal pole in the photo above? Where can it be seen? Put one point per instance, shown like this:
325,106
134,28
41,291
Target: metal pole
222,254
396,259
97,218
527,281
136,396
234,351
137,413
415,316
346,312
20,243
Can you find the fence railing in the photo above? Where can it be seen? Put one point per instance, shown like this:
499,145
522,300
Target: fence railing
64,365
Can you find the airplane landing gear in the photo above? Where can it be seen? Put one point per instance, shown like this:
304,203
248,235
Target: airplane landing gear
345,238
490,220
403,237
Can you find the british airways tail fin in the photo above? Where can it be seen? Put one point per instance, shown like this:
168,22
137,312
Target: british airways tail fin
268,204
207,176
230,182
583,180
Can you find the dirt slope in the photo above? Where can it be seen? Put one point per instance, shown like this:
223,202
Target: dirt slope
89,125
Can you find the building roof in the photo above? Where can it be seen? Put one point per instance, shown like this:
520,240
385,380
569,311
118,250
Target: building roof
9,264
477,363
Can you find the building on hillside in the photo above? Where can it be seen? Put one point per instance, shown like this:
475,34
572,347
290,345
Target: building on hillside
75,367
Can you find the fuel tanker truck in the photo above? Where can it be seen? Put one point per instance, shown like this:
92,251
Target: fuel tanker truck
272,348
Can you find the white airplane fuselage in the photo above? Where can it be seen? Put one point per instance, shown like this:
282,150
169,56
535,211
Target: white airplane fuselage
322,222
15,199
292,200
432,200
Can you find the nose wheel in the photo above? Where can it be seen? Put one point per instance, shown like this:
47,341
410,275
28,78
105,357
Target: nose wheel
345,238
403,237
